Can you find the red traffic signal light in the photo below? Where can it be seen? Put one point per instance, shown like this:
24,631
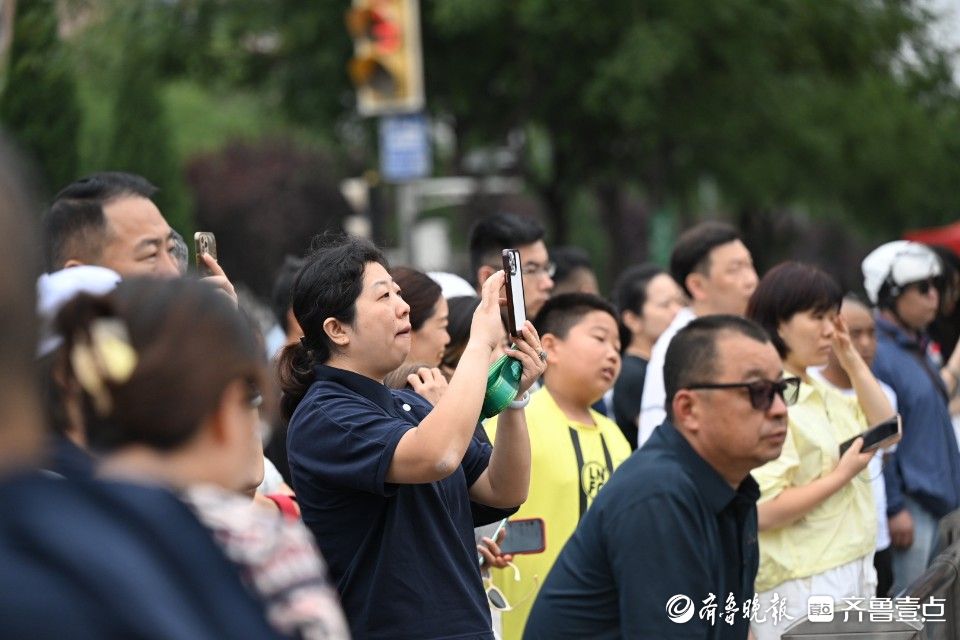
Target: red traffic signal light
387,67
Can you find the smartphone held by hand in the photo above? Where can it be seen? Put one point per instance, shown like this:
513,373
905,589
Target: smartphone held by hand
878,436
516,307
204,242
526,535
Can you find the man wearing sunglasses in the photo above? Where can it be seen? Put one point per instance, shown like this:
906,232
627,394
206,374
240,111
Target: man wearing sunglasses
902,279
673,534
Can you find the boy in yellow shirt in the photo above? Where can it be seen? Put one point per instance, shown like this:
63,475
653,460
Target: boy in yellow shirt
574,449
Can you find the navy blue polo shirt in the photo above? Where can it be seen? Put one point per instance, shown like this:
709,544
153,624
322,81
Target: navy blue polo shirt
403,556
926,463
666,524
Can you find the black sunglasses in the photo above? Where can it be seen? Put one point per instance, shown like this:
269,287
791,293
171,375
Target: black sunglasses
923,286
761,391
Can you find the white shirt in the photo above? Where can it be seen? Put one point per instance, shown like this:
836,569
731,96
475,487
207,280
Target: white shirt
653,402
875,468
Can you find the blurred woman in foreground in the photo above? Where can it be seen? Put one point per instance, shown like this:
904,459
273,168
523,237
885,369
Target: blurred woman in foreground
167,376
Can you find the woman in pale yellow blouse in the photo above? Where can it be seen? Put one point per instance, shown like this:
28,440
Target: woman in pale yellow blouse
816,513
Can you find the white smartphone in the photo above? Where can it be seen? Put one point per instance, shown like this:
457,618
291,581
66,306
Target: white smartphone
488,531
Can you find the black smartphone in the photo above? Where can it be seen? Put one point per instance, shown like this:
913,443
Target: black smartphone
516,308
204,242
524,536
879,435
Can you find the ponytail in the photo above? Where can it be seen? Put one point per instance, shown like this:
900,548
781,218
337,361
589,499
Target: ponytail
295,370
327,286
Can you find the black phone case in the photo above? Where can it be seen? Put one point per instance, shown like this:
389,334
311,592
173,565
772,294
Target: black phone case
870,440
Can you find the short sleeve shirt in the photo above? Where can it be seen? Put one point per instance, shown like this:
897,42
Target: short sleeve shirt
842,528
403,556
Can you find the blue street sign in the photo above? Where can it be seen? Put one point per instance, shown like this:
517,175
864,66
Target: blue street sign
404,148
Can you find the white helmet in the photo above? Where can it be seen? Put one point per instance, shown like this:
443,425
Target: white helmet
895,264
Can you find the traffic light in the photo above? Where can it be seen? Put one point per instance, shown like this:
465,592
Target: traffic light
387,67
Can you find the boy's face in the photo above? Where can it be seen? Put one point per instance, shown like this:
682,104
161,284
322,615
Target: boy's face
589,357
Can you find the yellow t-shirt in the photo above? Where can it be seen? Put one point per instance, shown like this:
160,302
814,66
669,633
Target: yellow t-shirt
844,526
569,464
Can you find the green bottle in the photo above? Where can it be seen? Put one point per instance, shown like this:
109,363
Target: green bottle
503,381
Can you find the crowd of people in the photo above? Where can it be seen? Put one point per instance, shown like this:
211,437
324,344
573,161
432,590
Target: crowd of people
177,467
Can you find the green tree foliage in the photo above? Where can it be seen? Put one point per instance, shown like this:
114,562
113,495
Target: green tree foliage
775,102
843,109
141,139
39,104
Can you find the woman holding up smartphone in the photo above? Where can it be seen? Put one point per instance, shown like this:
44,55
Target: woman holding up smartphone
816,513
384,479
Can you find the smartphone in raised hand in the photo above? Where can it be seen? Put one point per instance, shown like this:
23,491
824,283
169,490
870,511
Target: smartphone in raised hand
879,435
516,307
204,242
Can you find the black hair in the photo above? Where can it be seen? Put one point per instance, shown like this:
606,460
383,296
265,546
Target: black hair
418,290
788,289
630,294
280,295
493,233
949,271
568,259
459,321
692,250
560,313
190,342
75,224
692,354
945,328
327,286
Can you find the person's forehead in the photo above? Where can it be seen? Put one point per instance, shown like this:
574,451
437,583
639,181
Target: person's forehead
596,320
535,252
661,285
733,251
739,356
133,218
375,274
856,315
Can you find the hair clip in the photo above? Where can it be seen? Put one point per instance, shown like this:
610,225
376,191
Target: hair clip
107,357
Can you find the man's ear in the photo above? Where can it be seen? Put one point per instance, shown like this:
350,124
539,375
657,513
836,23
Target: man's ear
550,342
336,331
686,410
483,272
696,284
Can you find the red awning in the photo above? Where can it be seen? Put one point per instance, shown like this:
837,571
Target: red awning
947,236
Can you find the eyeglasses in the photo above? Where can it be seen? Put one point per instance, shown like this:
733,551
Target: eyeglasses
496,598
923,287
534,269
761,391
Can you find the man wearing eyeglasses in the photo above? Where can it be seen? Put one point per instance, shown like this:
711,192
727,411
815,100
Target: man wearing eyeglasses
669,547
923,476
491,234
